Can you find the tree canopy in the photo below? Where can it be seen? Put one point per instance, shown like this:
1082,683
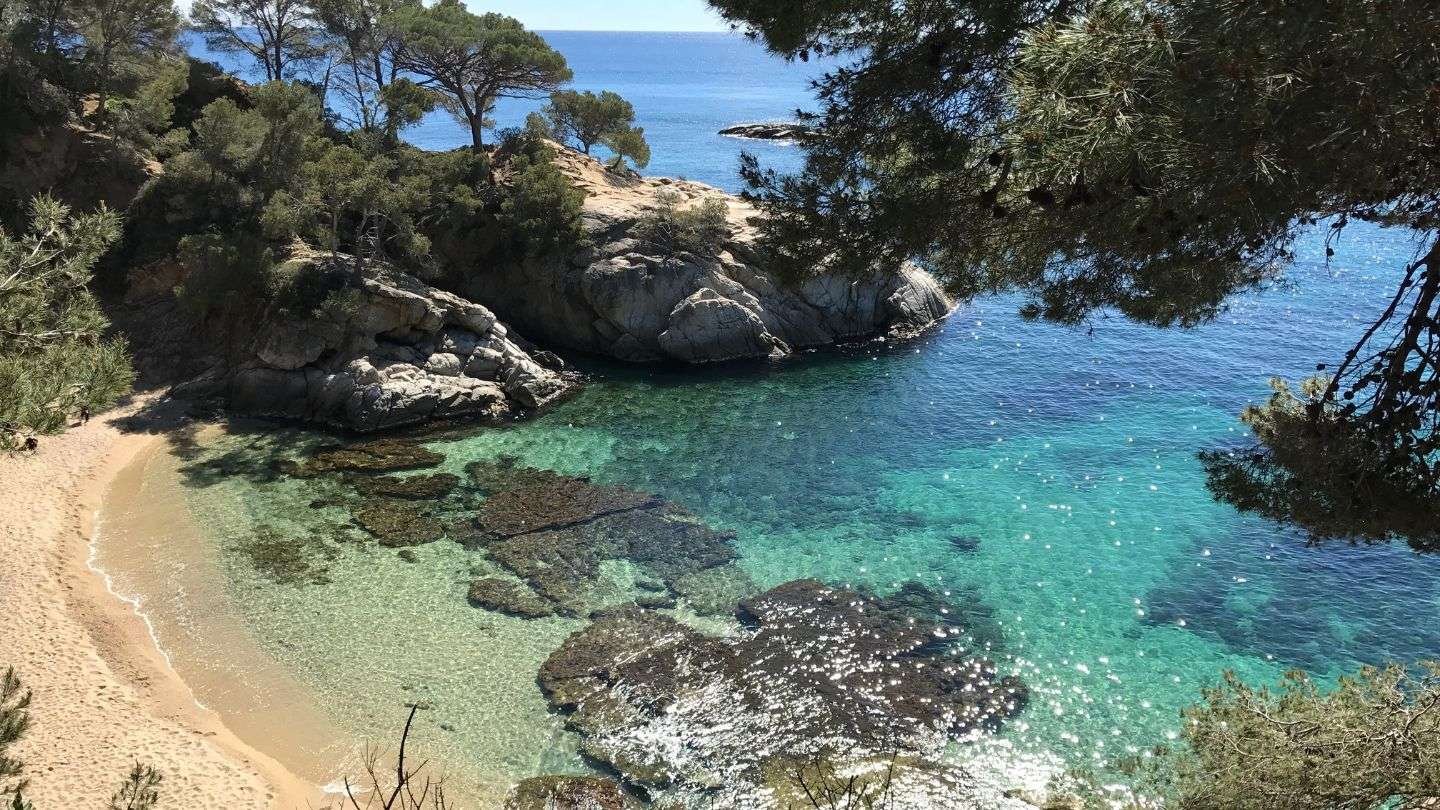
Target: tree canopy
280,35
54,356
1151,157
469,61
605,119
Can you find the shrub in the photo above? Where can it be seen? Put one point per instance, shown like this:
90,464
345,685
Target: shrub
671,230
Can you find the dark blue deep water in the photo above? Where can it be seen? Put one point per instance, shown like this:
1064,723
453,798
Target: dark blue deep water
1045,472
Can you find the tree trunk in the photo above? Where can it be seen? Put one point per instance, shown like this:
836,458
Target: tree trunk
477,131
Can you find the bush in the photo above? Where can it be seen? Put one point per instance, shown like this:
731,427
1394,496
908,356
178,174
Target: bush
700,230
540,210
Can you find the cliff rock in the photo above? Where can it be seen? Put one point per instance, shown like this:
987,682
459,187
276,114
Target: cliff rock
385,351
621,296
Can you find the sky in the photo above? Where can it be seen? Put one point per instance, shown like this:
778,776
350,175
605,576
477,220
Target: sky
607,15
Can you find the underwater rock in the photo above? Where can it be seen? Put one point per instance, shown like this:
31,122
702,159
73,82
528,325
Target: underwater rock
414,488
556,531
715,591
378,456
555,501
568,793
819,668
965,543
399,524
509,597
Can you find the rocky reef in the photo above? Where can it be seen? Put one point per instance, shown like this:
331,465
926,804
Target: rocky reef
770,132
384,351
625,298
576,547
818,672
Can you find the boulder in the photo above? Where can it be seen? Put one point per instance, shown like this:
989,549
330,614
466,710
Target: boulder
509,597
394,352
622,298
819,669
569,793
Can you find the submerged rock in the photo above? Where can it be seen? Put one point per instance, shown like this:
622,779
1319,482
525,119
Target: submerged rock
558,532
819,669
625,298
377,456
569,793
414,487
509,597
399,524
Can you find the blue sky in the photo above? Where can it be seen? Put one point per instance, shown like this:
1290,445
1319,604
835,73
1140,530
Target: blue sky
607,15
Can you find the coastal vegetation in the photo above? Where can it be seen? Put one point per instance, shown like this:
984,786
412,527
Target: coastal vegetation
1079,156
55,358
590,120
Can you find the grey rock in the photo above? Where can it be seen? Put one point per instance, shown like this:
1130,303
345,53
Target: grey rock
398,352
618,297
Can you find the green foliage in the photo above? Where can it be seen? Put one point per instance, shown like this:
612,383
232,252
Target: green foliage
468,61
14,722
673,230
1312,466
359,36
226,274
540,208
124,41
54,357
1150,157
1374,741
606,119
280,35
139,791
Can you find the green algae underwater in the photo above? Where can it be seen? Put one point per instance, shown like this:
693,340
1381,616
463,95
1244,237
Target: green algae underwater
1042,478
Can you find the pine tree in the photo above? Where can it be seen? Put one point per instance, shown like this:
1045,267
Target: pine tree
54,357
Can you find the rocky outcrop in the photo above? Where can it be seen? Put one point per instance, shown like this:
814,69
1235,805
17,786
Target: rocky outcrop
565,537
569,793
623,297
818,670
384,351
770,132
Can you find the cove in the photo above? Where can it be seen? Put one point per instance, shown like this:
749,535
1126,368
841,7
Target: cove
1040,476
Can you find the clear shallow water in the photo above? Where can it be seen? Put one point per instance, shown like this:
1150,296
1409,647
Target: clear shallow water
1044,472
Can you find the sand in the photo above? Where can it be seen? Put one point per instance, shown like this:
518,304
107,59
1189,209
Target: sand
104,695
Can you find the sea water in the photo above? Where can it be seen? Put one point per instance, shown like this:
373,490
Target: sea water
1046,473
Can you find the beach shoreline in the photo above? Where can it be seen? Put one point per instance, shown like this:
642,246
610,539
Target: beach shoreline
105,696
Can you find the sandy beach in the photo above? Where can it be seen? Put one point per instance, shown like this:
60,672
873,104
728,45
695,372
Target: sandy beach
104,695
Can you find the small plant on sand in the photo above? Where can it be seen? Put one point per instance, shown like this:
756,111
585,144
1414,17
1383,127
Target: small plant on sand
14,722
140,791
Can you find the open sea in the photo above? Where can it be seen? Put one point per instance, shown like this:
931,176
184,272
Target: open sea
1045,473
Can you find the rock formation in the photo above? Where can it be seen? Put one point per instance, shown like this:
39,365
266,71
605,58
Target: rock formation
820,670
384,352
557,533
622,298
770,132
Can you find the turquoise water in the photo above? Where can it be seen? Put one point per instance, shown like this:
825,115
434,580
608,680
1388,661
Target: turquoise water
1048,474
1043,474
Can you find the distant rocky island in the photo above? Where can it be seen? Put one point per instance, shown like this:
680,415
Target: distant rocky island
770,132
